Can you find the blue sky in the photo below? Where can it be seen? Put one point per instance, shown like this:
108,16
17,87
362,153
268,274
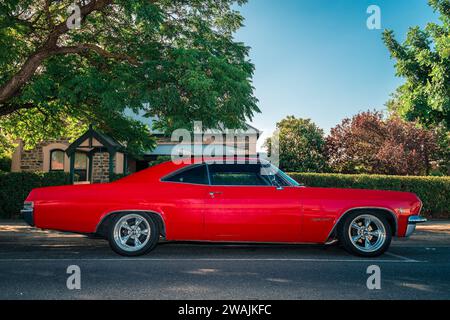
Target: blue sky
317,59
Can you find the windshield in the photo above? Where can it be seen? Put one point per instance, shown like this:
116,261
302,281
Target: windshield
287,178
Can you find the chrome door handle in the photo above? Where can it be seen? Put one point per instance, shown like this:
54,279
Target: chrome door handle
213,194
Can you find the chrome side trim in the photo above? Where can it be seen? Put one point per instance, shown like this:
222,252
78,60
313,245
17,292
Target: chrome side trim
362,208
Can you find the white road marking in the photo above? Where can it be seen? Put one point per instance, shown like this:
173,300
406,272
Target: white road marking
213,260
399,256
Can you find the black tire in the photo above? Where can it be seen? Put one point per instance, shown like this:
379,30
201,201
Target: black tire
115,230
380,243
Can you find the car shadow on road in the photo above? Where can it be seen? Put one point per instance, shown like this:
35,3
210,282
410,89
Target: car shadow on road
18,241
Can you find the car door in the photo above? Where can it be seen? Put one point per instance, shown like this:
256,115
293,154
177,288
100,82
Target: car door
188,190
245,206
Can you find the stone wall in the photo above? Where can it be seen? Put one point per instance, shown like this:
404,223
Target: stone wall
33,160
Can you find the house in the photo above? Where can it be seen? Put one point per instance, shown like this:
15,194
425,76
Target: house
94,157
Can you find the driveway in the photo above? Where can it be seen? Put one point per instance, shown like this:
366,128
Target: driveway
33,265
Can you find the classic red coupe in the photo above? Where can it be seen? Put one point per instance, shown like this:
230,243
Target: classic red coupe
230,201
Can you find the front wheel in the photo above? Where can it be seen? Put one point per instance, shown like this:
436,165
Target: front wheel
133,234
366,234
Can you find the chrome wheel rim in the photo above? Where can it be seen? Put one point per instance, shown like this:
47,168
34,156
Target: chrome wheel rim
132,232
367,233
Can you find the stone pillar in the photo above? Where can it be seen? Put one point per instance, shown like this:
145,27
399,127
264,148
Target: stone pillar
100,167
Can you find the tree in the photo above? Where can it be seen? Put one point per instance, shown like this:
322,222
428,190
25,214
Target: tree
369,144
301,145
443,154
174,59
424,61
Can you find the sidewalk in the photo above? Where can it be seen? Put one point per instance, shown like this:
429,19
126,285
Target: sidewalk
434,232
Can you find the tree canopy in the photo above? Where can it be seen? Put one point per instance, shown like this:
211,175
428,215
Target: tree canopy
424,61
175,60
301,145
367,143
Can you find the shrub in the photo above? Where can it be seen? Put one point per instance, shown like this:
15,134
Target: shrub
159,160
116,176
15,187
433,191
5,163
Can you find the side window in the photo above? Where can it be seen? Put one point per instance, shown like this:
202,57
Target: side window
195,175
237,175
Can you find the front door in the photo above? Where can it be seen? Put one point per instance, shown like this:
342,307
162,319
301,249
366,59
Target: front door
245,206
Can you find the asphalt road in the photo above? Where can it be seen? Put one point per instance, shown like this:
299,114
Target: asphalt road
33,265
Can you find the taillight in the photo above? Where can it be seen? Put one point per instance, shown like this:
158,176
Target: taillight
28,205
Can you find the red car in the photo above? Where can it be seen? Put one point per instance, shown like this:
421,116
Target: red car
235,201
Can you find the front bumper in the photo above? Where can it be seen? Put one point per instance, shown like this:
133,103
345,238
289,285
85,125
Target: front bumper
412,222
27,214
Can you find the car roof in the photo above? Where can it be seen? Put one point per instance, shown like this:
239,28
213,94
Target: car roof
159,171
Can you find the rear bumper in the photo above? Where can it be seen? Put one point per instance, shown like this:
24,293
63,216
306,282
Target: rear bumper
28,216
412,222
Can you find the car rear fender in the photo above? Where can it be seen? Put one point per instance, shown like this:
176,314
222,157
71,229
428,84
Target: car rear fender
102,226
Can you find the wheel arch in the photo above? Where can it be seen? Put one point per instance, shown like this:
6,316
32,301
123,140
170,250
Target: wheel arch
388,213
102,226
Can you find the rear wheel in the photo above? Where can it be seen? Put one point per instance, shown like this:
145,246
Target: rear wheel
133,234
365,234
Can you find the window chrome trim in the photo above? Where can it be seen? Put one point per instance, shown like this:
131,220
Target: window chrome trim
270,185
208,172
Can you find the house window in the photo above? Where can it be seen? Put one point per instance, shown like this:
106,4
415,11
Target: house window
80,168
56,160
247,146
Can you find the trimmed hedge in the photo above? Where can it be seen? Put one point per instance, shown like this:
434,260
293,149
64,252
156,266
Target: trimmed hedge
5,164
15,187
116,176
433,191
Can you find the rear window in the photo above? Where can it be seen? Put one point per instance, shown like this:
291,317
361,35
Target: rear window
193,175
